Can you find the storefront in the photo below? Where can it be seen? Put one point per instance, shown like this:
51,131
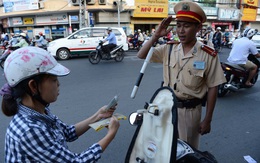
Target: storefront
148,14
227,19
53,26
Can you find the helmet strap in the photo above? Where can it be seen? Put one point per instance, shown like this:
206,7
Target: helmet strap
37,95
39,98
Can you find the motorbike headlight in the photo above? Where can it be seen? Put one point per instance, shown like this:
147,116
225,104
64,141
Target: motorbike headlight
228,68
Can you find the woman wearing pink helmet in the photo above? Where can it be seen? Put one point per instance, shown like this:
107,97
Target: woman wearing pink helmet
34,133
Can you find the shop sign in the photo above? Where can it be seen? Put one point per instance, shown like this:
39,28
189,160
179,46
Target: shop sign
211,11
250,10
52,19
29,29
228,14
17,21
74,18
28,21
91,18
47,31
20,5
151,8
221,23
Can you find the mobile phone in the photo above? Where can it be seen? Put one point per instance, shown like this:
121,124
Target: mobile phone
112,103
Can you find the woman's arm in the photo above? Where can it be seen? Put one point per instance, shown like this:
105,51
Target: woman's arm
83,126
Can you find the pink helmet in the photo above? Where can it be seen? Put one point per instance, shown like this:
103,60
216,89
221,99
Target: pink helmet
28,61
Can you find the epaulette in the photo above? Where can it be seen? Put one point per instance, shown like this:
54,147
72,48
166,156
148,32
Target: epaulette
209,50
173,42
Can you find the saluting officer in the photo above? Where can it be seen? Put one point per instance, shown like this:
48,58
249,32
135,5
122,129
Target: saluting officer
191,69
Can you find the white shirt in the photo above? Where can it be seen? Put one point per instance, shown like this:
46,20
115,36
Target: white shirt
241,48
140,37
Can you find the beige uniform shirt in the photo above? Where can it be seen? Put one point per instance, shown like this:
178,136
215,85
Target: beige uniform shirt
190,75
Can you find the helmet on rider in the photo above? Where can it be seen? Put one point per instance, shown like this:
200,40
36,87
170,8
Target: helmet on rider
109,29
40,33
218,28
23,34
249,32
30,61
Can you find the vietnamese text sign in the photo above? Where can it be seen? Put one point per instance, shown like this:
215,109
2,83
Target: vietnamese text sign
250,10
228,14
20,5
52,19
151,8
28,21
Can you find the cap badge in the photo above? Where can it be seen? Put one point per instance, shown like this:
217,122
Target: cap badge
185,7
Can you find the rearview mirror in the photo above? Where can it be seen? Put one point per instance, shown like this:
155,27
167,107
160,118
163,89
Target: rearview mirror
136,118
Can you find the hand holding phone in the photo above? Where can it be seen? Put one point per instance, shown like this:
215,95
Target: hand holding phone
112,103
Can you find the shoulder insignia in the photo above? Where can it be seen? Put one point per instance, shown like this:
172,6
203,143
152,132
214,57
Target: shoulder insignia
209,50
173,42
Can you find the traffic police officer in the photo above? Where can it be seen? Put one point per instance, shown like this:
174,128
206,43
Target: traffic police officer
190,68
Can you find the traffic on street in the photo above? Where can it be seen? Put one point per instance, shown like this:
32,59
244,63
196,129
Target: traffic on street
235,129
68,65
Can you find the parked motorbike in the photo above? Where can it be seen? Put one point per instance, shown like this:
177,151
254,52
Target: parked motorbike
117,54
8,50
236,76
156,137
185,153
3,47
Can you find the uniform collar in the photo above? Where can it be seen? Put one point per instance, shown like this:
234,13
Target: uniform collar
192,52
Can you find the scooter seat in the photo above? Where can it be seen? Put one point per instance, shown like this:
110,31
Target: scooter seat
235,66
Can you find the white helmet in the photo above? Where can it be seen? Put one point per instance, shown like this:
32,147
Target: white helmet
219,28
249,32
109,29
28,61
23,34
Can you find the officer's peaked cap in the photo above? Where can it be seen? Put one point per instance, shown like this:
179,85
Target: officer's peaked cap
189,12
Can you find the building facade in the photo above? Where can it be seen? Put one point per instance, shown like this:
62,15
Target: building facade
58,18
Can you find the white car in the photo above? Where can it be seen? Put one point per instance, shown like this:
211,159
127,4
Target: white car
256,40
84,41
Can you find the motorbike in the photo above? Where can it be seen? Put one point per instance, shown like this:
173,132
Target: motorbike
33,43
117,54
236,76
131,44
8,50
217,46
156,137
228,42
